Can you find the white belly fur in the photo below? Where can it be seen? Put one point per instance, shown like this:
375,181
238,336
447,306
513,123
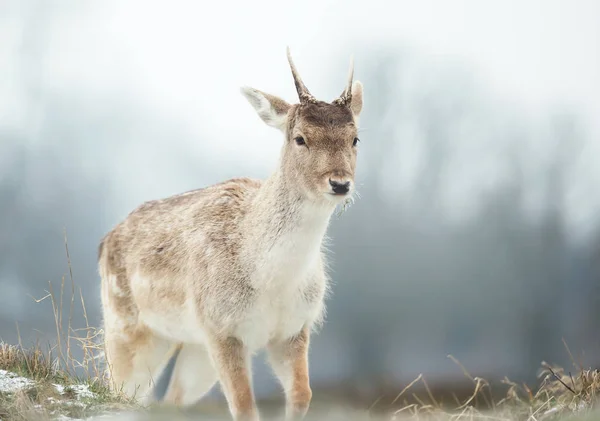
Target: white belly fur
275,317
277,313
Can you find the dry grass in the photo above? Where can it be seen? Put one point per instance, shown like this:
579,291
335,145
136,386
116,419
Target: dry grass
55,370
53,391
560,396
33,363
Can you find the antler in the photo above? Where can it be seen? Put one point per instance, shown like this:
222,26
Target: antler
346,97
303,94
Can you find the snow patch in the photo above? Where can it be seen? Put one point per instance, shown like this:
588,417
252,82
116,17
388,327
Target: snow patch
11,382
71,395
65,418
81,391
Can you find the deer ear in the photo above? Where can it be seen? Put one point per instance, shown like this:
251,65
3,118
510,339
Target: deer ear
271,109
357,98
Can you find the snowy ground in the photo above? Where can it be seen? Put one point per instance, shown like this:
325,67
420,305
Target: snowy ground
71,398
11,383
66,401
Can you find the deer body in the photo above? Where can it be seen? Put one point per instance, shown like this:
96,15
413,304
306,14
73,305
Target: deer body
221,272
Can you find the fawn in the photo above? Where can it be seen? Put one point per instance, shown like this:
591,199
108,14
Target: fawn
223,271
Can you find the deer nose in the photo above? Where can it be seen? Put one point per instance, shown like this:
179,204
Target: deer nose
339,188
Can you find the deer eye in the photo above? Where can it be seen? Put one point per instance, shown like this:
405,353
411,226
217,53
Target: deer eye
356,140
300,141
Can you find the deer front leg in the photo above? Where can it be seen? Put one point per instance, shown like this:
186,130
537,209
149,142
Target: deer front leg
232,361
289,360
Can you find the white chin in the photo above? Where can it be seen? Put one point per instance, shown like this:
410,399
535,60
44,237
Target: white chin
337,198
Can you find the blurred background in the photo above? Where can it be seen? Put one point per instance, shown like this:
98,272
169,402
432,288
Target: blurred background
477,229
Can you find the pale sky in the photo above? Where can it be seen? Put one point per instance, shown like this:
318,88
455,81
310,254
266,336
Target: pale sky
187,60
182,53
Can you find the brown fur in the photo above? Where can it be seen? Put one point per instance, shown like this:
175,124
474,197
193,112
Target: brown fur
230,354
219,272
290,362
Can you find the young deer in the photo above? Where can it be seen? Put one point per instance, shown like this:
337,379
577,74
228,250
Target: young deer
221,272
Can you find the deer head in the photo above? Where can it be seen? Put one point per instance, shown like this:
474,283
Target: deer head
318,158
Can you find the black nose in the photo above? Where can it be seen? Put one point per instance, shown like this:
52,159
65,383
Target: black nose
339,188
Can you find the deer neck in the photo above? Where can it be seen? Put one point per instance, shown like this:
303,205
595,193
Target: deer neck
288,227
